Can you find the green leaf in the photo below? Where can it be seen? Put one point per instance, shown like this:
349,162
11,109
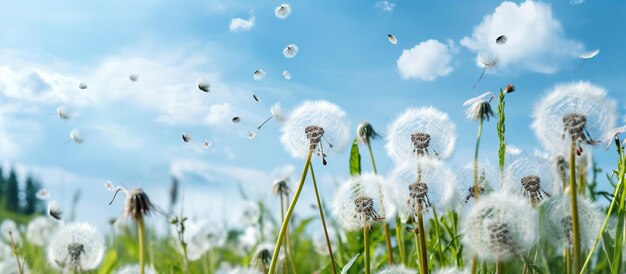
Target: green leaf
608,244
355,159
348,265
108,263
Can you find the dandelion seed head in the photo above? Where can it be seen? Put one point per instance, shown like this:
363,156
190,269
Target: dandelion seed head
318,126
418,132
396,269
359,202
76,247
280,187
286,75
580,111
137,205
365,132
9,226
488,180
133,77
501,224
39,230
134,269
479,109
434,186
282,11
531,177
258,74
263,254
76,137
63,113
290,51
558,221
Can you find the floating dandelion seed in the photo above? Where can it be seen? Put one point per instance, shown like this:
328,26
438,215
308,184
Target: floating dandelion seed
258,74
531,177
433,187
392,39
54,211
250,135
588,55
479,108
76,247
236,119
277,114
207,144
286,75
559,226
256,98
62,113
43,194
39,230
396,269
186,137
486,62
290,51
204,85
133,77
609,137
500,225
315,126
578,112
501,40
359,202
282,11
82,86
76,137
420,132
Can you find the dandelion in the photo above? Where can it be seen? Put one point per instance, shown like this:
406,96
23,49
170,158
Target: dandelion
39,230
559,222
76,247
54,211
282,11
134,269
82,86
186,137
392,39
62,113
365,132
286,75
359,203
487,179
207,144
501,40
397,269
43,194
8,229
76,137
258,74
290,51
420,132
262,256
486,62
204,85
499,226
133,77
479,109
195,244
531,177
276,114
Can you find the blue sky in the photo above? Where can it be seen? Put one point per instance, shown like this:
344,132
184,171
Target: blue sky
132,129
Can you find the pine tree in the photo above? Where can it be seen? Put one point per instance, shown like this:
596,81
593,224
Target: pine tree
32,204
12,192
3,190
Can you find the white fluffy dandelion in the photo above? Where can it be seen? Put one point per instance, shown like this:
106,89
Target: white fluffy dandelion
282,11
9,226
194,242
500,225
580,111
359,202
134,269
419,187
76,137
396,269
290,51
479,109
258,74
488,181
419,132
317,126
76,247
532,177
559,226
39,230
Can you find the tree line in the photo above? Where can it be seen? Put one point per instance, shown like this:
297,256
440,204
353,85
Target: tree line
19,197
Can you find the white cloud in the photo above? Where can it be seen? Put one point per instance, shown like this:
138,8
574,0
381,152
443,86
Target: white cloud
385,5
427,60
240,24
120,136
535,39
576,2
219,114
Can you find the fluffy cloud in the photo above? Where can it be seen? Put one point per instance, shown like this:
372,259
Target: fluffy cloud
535,39
240,24
427,60
385,5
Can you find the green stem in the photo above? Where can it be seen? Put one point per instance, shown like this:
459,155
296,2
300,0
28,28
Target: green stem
289,249
439,237
422,234
400,239
142,245
20,269
480,133
282,217
619,232
385,225
417,249
321,210
574,198
369,147
474,264
366,249
568,260
292,206
498,267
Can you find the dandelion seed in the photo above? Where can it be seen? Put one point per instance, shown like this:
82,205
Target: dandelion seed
365,132
62,113
186,137
290,51
250,135
513,150
575,112
134,269
133,77
479,108
39,230
207,144
589,54
7,227
54,211
82,86
108,185
204,85
359,202
315,126
286,75
236,119
501,40
256,98
43,194
76,137
258,74
532,177
282,11
277,114
486,62
499,226
558,221
76,247
420,132
487,179
396,269
392,39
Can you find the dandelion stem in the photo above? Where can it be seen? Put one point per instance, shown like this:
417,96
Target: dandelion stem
400,239
366,249
574,198
498,267
619,231
385,225
20,270
474,264
568,260
289,250
321,210
417,249
283,227
422,232
480,133
282,217
142,245
439,237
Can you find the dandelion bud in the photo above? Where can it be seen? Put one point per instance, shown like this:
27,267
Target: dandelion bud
365,132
